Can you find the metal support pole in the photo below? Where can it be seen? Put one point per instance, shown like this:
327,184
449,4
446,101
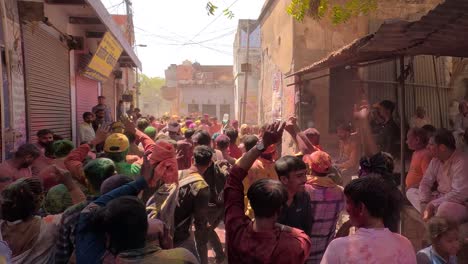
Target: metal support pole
402,110
246,74
438,91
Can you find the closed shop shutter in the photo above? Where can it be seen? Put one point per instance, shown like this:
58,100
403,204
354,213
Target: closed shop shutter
86,96
47,82
108,90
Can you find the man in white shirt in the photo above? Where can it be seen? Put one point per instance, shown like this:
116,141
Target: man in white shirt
367,202
447,171
86,128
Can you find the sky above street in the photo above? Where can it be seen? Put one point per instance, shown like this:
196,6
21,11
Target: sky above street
176,30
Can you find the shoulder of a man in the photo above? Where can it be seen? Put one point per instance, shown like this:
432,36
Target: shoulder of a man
294,241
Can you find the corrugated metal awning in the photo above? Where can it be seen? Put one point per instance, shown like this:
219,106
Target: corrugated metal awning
442,32
107,20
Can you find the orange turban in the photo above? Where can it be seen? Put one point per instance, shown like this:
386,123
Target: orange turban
164,158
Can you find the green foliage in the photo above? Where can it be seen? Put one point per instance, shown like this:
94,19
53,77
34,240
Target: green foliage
150,86
210,8
318,9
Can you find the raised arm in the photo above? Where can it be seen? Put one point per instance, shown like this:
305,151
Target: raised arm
361,114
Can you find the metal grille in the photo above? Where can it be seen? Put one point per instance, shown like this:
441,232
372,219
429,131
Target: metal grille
47,82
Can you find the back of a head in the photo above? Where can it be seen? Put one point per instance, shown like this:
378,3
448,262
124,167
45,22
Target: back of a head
422,135
250,141
116,146
222,142
98,170
142,123
151,132
430,129
43,132
267,197
202,138
125,221
438,226
387,104
446,138
232,134
27,149
374,193
287,164
21,199
62,148
202,155
188,134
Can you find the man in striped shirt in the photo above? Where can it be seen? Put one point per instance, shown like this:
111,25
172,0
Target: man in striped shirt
327,202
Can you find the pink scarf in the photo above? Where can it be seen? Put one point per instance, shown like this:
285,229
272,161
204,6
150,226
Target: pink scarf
164,158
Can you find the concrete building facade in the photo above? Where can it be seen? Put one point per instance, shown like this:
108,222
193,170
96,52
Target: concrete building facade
325,98
200,89
247,43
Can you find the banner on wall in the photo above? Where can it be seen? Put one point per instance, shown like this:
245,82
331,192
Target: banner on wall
101,65
276,102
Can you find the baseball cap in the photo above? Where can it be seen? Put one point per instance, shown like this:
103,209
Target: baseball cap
319,161
116,143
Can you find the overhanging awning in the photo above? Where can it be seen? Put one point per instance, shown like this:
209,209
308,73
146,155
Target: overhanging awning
106,19
442,32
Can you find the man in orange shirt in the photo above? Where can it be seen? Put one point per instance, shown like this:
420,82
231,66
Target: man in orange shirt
215,126
417,139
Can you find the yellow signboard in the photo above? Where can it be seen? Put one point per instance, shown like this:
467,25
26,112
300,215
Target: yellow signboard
105,58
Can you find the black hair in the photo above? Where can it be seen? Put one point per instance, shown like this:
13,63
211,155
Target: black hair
267,197
85,114
142,123
131,137
249,142
430,129
20,199
202,137
125,221
97,171
389,105
222,142
189,133
232,134
346,126
374,193
27,149
446,138
422,134
202,155
44,132
288,164
101,97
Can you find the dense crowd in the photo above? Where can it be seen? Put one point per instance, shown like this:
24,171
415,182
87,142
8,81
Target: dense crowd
156,190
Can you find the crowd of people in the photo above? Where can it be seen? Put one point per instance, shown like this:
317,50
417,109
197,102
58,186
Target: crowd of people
156,190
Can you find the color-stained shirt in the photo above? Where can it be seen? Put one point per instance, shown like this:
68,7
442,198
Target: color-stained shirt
86,132
370,246
244,245
430,256
65,244
418,166
235,151
451,178
152,254
348,155
327,202
261,169
184,154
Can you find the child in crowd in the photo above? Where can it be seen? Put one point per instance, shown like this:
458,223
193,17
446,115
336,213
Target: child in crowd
445,243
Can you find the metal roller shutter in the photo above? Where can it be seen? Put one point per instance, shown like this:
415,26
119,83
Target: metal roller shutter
47,82
86,96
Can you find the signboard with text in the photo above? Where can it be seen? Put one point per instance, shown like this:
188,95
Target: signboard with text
104,60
